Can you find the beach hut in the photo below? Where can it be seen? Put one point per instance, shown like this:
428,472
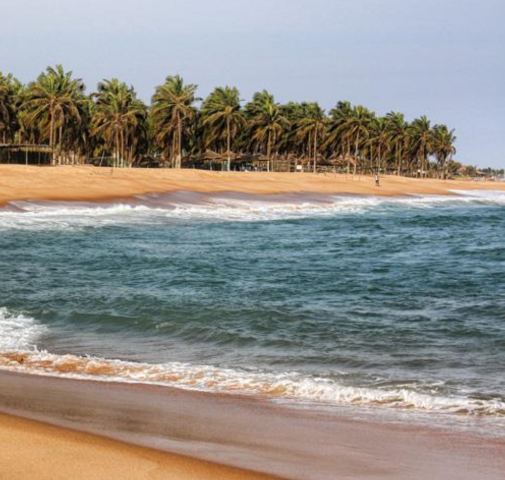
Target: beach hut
26,154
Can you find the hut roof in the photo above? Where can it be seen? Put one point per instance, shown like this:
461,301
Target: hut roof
210,155
26,147
342,160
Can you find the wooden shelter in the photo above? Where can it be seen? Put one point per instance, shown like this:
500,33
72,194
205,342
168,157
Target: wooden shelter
26,154
210,160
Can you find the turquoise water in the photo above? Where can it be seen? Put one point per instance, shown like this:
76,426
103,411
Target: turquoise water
395,305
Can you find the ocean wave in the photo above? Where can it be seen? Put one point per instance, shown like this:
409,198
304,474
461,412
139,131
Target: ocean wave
222,207
289,386
18,331
54,215
487,196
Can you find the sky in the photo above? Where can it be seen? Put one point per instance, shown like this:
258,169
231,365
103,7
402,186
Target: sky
440,58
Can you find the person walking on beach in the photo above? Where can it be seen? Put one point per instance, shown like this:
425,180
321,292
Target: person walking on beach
377,183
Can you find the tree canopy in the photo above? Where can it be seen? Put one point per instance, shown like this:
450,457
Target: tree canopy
113,122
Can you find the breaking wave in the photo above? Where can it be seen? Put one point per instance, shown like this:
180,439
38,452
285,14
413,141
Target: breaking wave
18,334
17,331
222,207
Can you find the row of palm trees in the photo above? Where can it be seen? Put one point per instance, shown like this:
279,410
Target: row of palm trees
113,122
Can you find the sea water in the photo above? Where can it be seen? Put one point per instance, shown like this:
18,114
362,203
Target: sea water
365,305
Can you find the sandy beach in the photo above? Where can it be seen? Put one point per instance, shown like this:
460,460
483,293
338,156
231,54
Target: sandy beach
87,183
258,242
231,430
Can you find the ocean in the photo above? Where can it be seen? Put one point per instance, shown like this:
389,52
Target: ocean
386,307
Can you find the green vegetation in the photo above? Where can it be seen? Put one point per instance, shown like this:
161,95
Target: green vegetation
114,126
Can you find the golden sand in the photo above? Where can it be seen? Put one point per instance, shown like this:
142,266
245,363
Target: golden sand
33,450
19,182
247,432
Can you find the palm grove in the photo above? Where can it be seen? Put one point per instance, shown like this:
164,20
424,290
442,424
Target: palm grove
114,123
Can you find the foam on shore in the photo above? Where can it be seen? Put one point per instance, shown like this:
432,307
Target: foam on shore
19,334
221,207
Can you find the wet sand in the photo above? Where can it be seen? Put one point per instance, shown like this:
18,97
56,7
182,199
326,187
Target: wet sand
297,444
34,450
88,183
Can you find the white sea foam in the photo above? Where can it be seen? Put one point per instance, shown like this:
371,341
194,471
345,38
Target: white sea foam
486,196
221,207
289,386
18,331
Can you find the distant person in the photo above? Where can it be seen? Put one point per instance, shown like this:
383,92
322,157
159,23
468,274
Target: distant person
377,182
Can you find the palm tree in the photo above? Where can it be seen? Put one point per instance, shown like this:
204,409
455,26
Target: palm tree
422,142
8,107
119,119
267,122
55,102
379,142
290,142
172,114
399,134
54,110
443,147
336,144
354,129
222,117
313,127
24,131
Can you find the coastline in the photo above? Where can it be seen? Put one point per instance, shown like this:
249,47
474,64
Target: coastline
238,431
87,183
169,431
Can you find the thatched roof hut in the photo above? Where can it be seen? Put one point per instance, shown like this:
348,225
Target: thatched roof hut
28,154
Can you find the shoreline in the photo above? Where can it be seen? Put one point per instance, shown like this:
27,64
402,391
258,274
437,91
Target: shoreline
87,183
250,434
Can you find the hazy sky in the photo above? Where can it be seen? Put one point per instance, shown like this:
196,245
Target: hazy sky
440,58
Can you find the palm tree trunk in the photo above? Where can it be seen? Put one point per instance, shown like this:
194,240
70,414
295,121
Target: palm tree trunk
315,151
445,166
269,148
400,170
122,148
60,134
51,139
179,143
356,154
370,160
117,150
399,161
348,155
309,150
423,161
228,133
172,150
